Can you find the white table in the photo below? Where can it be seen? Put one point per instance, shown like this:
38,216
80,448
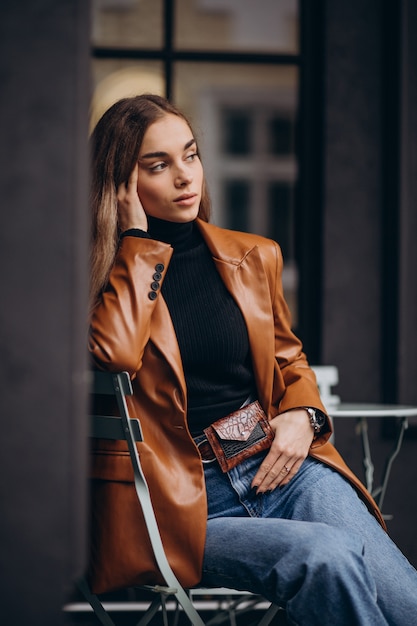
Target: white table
361,412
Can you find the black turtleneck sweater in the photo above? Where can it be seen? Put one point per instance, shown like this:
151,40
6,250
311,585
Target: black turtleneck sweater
210,329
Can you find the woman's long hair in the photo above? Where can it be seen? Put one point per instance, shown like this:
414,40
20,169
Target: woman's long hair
115,146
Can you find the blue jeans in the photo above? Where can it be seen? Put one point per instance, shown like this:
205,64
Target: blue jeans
312,547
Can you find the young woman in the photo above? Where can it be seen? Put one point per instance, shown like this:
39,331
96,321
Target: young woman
196,315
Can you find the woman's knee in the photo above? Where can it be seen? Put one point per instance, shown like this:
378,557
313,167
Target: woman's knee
265,546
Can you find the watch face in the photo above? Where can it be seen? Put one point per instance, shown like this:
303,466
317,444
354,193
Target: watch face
321,419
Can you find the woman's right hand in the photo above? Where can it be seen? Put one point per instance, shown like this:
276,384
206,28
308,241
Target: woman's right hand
131,213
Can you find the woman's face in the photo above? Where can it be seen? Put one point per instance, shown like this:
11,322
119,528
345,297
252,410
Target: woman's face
170,176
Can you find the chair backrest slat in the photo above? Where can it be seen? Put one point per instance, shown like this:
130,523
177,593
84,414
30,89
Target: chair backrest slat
108,427
104,383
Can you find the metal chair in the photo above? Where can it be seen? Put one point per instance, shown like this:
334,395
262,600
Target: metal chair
127,428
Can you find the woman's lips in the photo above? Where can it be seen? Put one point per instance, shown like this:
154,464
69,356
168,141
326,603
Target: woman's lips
186,199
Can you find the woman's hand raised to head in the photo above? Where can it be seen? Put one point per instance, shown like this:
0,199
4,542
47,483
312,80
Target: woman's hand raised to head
130,210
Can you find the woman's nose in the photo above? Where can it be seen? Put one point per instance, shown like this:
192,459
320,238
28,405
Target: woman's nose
183,176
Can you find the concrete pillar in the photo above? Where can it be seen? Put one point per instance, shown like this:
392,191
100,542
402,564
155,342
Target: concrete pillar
44,83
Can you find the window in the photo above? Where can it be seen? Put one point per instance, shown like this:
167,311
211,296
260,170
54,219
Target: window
234,70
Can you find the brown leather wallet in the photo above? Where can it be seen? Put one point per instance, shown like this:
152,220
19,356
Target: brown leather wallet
239,435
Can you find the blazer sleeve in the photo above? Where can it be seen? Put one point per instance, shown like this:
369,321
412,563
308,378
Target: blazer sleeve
300,385
121,320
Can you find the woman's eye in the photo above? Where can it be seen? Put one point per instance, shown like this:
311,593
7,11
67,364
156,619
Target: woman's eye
158,167
192,156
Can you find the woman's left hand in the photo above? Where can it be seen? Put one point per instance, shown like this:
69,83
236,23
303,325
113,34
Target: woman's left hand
292,441
131,213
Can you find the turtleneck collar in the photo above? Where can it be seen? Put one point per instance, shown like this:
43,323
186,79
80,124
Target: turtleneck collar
181,235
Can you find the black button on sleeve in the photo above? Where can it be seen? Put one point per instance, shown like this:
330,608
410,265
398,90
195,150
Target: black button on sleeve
159,267
152,295
157,276
155,286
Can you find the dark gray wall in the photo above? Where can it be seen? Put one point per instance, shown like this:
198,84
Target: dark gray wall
402,499
370,150
407,373
370,228
44,96
352,214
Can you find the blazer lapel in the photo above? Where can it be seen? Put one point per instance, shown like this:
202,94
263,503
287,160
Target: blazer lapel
164,337
242,271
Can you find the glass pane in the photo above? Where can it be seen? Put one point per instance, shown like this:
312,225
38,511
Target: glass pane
237,25
243,116
281,134
115,79
224,99
127,23
280,216
281,225
234,84
237,132
236,194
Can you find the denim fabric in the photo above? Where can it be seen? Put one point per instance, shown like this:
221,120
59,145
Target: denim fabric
311,547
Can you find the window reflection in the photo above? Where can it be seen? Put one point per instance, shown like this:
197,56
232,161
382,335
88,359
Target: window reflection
237,204
281,134
127,23
280,215
236,132
115,79
244,25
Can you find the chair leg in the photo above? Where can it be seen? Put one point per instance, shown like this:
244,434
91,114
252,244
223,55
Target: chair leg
150,612
239,607
188,607
269,615
164,611
95,603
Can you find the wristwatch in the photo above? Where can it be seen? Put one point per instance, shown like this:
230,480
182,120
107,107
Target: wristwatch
317,419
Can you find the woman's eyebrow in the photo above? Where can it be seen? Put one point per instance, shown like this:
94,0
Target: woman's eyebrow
153,155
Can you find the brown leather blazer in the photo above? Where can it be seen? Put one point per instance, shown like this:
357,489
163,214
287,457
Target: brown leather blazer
132,330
